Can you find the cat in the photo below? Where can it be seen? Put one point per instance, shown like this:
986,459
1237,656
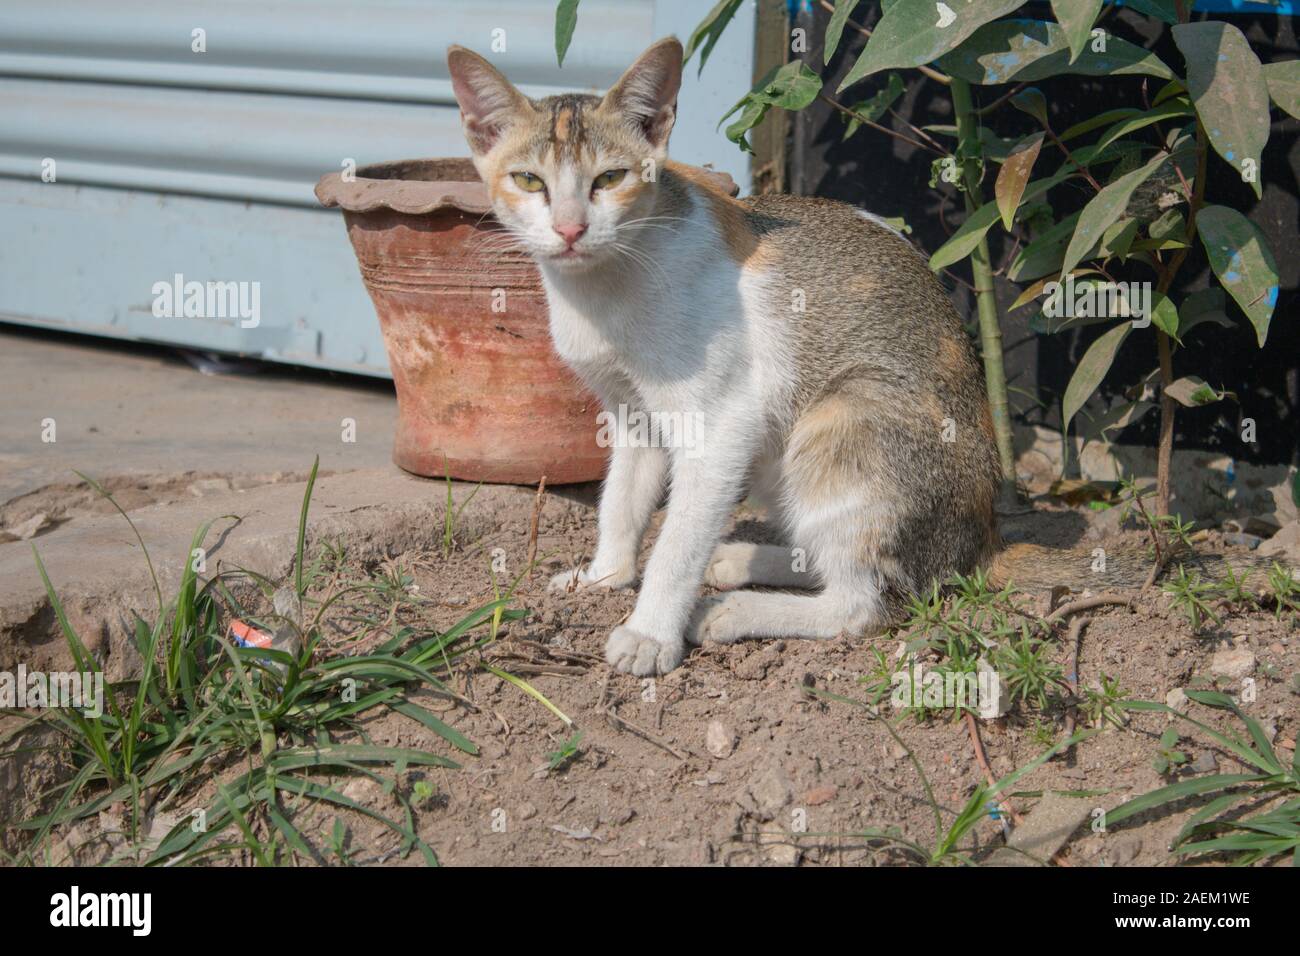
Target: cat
825,368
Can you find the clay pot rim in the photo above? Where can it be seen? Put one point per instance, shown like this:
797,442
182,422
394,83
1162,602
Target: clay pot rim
384,186
442,183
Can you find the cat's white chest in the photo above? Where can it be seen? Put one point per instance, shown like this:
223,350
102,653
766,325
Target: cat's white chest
578,339
589,332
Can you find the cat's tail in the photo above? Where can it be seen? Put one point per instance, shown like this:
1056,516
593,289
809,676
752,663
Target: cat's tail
1032,567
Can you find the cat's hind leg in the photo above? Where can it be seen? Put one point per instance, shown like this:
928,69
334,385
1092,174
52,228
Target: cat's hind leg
745,614
843,499
738,564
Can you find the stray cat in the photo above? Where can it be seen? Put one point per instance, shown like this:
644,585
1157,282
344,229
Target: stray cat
822,362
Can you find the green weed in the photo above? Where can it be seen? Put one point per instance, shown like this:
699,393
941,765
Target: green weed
204,708
1234,821
1191,595
949,845
568,751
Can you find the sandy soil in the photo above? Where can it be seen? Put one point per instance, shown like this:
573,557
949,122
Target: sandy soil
728,760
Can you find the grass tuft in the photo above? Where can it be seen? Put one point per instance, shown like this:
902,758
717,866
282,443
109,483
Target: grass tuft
263,733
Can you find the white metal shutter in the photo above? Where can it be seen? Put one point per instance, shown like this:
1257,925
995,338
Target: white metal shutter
169,161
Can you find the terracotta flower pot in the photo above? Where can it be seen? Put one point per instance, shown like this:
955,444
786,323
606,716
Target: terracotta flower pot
481,394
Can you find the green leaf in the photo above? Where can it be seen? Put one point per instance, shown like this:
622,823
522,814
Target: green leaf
1045,254
1229,742
1032,102
1267,757
1178,791
898,223
300,553
1090,302
1053,319
1156,245
342,755
1014,175
566,18
1174,87
1207,305
1193,392
916,32
1036,216
835,28
791,86
1164,315
289,832
1093,156
1027,50
1226,82
1211,809
875,106
1039,287
710,30
1076,18
1283,80
315,791
1092,368
1171,225
1117,239
979,800
994,147
1115,419
1098,121
1240,257
447,732
1105,208
965,239
750,116
1170,110
1165,10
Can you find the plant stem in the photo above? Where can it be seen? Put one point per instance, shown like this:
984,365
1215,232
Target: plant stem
1069,156
1164,347
986,110
854,114
995,378
1168,408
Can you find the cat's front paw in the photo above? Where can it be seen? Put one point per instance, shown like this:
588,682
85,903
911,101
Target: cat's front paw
635,653
580,579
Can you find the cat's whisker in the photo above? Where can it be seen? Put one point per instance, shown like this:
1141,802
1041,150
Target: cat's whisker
496,242
633,222
648,225
651,222
656,271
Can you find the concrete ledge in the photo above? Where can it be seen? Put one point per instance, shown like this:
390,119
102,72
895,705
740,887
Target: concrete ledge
100,575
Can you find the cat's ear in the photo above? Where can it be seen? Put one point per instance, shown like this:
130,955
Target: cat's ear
489,104
647,93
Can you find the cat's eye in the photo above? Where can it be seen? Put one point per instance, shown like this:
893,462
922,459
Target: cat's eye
608,179
528,182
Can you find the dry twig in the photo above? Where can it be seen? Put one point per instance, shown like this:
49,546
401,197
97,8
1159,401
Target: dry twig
532,525
644,734
1086,604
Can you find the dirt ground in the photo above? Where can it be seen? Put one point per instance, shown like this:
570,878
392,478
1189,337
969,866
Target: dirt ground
728,760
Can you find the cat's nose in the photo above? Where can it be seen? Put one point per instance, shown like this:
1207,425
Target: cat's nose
570,232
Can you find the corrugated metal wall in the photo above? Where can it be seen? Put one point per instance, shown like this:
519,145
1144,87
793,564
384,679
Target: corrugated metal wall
167,161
